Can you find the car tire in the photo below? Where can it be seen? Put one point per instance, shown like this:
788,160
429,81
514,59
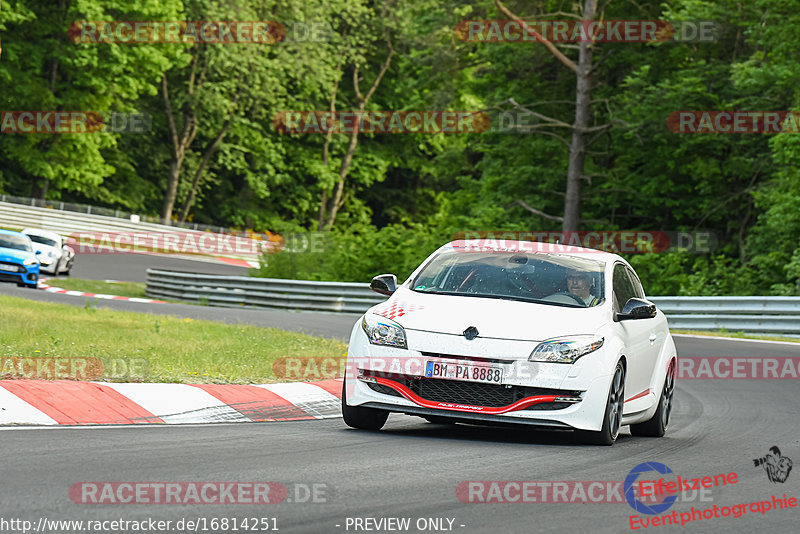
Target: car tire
656,426
608,433
362,418
439,420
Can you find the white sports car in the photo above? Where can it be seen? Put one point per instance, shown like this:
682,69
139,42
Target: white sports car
514,332
55,257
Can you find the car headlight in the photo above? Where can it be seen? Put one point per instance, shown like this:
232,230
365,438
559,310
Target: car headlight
381,331
565,349
30,261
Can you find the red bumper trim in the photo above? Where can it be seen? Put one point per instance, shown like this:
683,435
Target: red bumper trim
416,399
639,395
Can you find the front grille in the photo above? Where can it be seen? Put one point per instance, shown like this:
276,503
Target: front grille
473,393
8,277
458,392
17,267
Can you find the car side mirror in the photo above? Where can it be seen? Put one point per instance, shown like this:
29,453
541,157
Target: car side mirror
636,308
385,284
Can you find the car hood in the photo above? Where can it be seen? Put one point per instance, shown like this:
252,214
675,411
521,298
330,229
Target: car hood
494,318
46,249
14,254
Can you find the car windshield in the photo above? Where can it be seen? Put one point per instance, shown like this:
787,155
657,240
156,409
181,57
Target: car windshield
17,242
43,240
552,279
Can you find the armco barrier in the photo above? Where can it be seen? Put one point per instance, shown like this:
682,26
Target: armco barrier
220,290
16,216
778,315
773,315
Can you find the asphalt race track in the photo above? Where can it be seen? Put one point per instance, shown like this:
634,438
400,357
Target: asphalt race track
412,468
133,267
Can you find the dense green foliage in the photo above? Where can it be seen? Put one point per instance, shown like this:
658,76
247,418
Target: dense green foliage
404,195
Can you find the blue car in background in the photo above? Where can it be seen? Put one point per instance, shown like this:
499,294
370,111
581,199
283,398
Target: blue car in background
18,261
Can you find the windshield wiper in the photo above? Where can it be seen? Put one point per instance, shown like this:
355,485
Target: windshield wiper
518,299
432,292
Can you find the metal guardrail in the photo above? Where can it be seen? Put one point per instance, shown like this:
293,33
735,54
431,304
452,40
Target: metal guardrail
767,315
221,290
16,216
108,212
777,315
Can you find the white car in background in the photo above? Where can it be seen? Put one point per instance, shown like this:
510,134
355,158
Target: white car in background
517,332
55,257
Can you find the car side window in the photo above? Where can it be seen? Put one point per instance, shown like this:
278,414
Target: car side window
637,285
623,288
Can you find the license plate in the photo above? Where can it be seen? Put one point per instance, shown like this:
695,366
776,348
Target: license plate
11,268
458,371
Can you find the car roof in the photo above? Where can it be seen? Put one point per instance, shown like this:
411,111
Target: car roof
42,233
11,232
503,245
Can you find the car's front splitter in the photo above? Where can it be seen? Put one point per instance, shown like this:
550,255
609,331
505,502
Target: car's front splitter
585,415
521,404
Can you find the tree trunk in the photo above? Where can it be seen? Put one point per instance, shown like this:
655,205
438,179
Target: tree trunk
172,189
336,200
323,203
577,148
207,154
179,147
40,188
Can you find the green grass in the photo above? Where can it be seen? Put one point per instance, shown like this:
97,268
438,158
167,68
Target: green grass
120,289
741,335
158,348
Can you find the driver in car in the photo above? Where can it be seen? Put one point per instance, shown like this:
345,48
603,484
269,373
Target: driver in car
579,283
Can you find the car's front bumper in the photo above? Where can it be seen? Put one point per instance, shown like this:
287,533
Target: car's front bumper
555,395
22,274
49,268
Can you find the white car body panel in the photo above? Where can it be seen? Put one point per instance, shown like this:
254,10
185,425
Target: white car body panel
508,333
53,259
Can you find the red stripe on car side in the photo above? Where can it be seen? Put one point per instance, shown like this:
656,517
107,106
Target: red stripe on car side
642,394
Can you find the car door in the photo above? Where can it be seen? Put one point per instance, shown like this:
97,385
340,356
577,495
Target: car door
657,327
635,334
